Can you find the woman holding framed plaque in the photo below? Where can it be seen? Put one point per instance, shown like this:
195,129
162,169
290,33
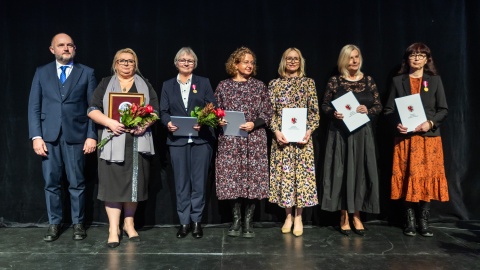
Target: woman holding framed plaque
418,174
292,168
350,177
124,161
242,162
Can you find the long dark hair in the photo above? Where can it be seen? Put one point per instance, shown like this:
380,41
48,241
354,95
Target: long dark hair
418,47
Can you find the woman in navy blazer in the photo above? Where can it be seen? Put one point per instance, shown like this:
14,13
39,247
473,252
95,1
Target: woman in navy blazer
190,156
418,174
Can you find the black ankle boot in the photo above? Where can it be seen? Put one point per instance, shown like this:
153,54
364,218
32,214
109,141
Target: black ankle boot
410,222
423,220
247,226
234,230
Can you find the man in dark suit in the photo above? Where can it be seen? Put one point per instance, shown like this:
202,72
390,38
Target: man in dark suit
61,131
190,156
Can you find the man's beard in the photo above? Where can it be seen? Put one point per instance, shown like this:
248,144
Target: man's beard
65,58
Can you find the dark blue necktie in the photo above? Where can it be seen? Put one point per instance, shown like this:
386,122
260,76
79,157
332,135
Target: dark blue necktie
63,76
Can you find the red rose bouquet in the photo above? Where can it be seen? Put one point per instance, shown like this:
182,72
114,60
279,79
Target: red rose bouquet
133,116
208,116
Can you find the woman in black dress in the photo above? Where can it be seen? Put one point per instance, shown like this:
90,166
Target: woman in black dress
350,178
124,162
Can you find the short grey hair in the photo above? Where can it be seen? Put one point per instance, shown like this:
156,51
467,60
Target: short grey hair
186,51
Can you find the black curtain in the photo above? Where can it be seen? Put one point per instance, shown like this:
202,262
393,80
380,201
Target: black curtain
157,29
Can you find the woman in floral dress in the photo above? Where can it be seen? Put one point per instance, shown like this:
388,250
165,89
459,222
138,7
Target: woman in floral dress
292,168
242,162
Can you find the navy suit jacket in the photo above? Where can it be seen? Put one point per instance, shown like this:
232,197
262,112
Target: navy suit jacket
433,100
53,108
171,104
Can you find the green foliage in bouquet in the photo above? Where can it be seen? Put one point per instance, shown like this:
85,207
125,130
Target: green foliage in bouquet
208,116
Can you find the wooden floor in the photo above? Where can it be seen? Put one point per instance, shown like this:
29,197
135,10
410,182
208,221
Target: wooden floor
454,246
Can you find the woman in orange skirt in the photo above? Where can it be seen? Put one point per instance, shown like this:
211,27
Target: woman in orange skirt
418,174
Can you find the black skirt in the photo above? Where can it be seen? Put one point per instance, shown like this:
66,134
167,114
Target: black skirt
116,182
350,178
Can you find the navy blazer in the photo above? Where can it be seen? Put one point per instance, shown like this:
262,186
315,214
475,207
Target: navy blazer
53,108
433,100
171,104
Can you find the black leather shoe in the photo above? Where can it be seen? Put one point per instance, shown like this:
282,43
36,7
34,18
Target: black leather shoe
135,238
113,244
53,233
360,232
183,231
79,232
197,231
345,232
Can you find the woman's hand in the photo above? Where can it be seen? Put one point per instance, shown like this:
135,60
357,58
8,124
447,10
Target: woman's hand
248,126
402,129
171,127
305,138
423,127
138,131
338,115
362,109
197,127
116,127
281,140
222,122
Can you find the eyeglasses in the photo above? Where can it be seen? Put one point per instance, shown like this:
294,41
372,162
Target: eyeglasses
126,61
419,56
292,59
186,61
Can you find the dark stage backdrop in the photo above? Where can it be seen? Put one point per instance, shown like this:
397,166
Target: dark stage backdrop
157,29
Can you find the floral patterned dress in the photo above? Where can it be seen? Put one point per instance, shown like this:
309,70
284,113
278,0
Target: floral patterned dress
292,168
241,165
350,177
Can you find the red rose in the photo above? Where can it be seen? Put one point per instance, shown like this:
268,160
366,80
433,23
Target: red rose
134,108
220,113
149,109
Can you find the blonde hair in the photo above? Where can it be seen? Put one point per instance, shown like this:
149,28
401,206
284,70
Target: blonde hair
126,50
283,63
344,60
236,57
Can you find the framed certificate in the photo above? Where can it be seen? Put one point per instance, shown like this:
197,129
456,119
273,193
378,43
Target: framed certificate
411,111
294,124
184,125
118,101
234,120
347,105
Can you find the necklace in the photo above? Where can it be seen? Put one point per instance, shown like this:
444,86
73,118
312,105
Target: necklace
125,84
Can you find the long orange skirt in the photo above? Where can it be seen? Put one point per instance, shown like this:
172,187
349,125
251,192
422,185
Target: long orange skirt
418,171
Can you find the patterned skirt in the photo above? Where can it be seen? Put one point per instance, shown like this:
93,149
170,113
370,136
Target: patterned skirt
418,172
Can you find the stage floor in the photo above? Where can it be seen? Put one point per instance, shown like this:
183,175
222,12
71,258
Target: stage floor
454,246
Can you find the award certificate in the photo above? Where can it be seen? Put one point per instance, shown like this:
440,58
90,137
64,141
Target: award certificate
234,120
347,105
185,126
294,123
411,111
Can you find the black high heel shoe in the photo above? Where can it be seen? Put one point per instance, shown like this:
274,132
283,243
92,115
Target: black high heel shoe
360,232
114,244
342,231
133,238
